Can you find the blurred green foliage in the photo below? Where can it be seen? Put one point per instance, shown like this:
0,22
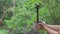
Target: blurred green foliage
22,15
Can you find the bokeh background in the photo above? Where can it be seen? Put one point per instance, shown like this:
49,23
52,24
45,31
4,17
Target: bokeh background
18,16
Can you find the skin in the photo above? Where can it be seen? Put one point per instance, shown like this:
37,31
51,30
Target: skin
54,27
39,27
51,29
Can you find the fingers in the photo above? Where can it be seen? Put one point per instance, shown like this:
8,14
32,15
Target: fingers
44,22
40,23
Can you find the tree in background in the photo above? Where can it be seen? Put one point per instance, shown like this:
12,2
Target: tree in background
20,14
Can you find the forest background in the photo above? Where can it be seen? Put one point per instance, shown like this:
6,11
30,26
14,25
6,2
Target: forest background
17,16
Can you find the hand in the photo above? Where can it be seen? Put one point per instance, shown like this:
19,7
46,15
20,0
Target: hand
39,26
44,23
